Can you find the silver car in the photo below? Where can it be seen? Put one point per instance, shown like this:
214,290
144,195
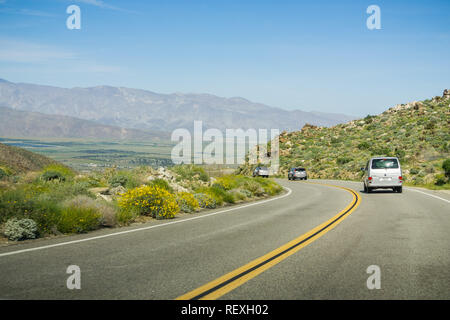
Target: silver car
261,172
297,173
383,173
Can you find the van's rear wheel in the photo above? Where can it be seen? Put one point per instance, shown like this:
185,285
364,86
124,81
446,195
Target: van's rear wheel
399,189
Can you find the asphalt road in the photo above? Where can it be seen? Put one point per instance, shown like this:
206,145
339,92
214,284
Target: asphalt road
406,235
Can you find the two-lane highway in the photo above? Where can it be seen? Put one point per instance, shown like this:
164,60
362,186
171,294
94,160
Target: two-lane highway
406,235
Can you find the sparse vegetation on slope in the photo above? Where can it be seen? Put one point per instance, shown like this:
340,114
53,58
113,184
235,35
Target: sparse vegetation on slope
17,160
55,199
417,133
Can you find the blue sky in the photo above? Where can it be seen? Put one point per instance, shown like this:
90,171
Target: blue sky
309,55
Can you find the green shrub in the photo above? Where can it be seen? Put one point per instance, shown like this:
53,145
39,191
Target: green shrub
107,211
343,160
125,216
15,203
79,219
52,175
118,180
440,180
161,183
364,145
446,167
57,172
205,200
368,119
20,229
124,179
243,194
190,172
270,187
254,187
187,202
2,174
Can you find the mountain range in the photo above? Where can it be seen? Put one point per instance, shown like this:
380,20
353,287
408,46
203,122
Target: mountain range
146,110
26,124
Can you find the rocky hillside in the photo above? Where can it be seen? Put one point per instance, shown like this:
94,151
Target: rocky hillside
418,133
146,110
15,160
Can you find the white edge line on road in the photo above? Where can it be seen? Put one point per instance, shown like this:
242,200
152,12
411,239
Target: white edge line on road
431,195
145,228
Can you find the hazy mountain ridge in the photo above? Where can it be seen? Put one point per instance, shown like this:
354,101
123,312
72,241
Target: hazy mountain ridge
146,110
17,123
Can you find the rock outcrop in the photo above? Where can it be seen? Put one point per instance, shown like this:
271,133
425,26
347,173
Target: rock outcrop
446,94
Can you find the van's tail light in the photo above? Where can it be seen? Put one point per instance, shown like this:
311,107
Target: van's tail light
370,179
400,178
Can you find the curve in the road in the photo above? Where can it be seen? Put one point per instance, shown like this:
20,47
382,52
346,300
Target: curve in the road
218,287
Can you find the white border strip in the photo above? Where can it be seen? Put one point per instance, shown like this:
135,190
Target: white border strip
144,228
431,195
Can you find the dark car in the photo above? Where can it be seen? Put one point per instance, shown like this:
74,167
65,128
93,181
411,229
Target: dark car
297,173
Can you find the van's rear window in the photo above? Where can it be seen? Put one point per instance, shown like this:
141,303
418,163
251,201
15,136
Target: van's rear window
384,164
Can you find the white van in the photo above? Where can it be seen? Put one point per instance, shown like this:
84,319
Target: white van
383,173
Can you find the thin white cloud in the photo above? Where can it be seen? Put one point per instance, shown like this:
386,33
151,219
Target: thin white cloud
28,52
26,12
37,56
104,5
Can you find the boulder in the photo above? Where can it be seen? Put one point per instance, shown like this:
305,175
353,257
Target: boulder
446,94
117,191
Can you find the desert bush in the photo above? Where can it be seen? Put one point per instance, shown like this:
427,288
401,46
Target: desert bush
14,203
343,160
254,187
440,180
161,183
270,187
187,202
228,182
79,219
151,201
20,229
217,192
124,179
52,175
107,211
2,174
446,167
243,194
190,172
57,172
363,145
118,180
205,200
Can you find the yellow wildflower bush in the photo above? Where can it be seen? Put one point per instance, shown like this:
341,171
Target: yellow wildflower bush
150,201
187,202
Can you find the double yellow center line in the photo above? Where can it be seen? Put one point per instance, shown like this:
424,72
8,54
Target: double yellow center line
217,288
